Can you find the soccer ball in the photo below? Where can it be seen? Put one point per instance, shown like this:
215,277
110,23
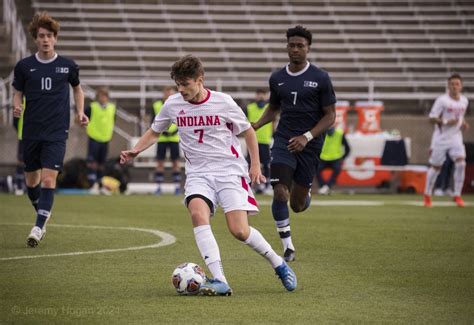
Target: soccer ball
187,278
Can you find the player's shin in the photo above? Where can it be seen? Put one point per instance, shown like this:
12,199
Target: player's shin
431,176
258,243
459,174
45,205
209,250
34,195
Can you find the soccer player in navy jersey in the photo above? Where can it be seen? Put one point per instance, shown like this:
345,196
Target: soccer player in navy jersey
304,97
43,79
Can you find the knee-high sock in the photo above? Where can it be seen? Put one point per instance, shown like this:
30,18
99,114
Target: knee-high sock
459,174
209,250
431,176
34,195
258,243
281,215
45,205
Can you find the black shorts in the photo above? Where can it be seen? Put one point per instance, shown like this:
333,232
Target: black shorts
162,147
19,153
97,151
43,154
303,164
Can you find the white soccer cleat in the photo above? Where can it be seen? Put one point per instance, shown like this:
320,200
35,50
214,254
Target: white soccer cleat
324,190
35,236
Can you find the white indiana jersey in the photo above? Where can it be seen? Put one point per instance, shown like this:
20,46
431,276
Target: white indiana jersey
207,133
448,108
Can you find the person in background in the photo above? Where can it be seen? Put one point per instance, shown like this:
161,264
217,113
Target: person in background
335,150
304,95
167,142
447,116
19,183
42,80
264,136
100,130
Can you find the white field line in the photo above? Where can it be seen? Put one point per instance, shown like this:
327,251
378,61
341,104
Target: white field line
166,239
355,203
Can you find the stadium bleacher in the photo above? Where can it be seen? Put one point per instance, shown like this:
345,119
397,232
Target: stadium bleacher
403,49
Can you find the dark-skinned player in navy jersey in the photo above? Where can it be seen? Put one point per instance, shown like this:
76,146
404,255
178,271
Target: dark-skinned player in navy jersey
305,99
44,79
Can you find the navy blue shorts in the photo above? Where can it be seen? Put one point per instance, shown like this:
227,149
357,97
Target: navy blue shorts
97,151
304,164
162,147
43,154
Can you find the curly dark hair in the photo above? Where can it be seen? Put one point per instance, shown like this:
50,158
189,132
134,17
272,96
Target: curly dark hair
299,31
43,20
188,66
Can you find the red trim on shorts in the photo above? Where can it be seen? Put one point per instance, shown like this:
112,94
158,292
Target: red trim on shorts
250,199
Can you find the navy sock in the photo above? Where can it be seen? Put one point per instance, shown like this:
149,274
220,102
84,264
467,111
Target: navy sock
281,215
91,176
44,206
19,178
159,178
177,180
100,174
34,195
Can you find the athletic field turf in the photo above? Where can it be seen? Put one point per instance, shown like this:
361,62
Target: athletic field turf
360,259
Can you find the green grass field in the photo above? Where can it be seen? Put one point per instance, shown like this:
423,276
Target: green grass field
392,262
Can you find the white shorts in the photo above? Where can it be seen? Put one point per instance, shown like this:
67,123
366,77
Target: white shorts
438,154
229,192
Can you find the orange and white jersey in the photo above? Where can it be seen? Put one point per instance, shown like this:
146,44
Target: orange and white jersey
208,133
448,108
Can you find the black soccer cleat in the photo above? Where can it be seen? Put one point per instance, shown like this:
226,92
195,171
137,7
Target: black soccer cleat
289,255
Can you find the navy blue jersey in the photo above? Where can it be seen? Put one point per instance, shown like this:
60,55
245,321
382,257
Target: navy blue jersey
301,97
45,87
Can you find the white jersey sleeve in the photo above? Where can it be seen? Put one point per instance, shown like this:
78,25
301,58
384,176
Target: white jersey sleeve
163,120
437,108
236,118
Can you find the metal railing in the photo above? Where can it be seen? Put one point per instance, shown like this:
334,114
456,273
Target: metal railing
14,28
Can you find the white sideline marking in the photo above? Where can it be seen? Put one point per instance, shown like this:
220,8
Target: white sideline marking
367,203
167,239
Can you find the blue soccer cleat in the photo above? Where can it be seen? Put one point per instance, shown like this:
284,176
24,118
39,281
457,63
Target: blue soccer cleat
287,276
215,288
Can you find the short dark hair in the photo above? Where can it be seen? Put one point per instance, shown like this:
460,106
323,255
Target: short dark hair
455,76
188,66
260,91
299,31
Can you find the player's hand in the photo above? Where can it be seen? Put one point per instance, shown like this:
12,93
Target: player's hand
254,126
17,111
82,119
128,155
255,174
464,126
297,144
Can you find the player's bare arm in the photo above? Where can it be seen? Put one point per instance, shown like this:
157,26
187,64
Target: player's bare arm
297,144
440,121
79,100
148,139
255,172
17,100
268,116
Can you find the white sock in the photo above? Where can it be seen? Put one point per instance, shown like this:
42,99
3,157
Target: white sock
431,176
261,246
287,243
209,250
459,174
